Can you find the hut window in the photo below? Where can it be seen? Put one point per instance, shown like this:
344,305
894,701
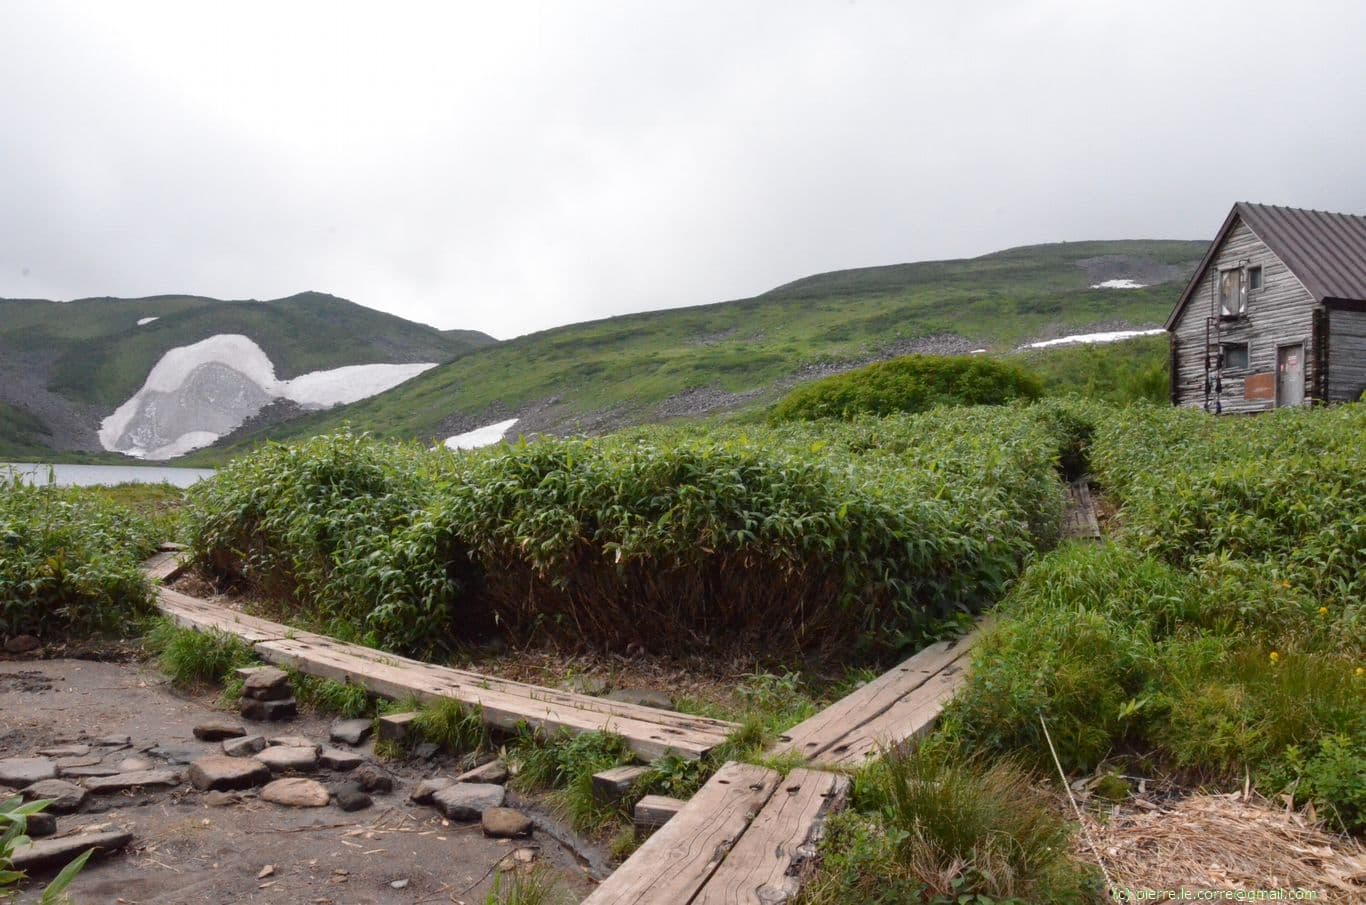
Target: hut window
1235,356
1232,293
1254,277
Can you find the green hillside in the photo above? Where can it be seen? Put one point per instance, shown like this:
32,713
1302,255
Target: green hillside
64,365
651,366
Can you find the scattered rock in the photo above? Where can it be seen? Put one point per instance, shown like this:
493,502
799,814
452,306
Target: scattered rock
22,644
645,697
288,757
267,684
21,771
216,799
41,824
293,741
82,771
395,727
351,732
273,711
121,781
399,884
426,750
176,755
52,852
333,759
429,787
351,798
494,771
89,760
134,764
217,730
589,685
222,773
67,797
114,741
244,746
266,871
373,778
296,792
468,800
505,823
525,855
65,751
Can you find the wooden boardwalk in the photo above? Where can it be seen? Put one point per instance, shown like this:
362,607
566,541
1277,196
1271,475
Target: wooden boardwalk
504,704
746,838
1080,518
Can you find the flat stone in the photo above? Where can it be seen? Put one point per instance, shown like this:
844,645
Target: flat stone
293,741
133,764
274,711
114,741
44,853
589,685
88,760
494,771
429,787
353,799
222,773
426,750
41,824
217,730
333,759
176,755
244,746
216,799
22,644
505,823
65,751
66,797
296,792
267,684
373,778
288,757
395,727
21,771
645,697
468,800
120,781
89,770
351,732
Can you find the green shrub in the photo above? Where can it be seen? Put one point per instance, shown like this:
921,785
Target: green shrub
451,725
566,763
1331,774
192,658
70,562
915,383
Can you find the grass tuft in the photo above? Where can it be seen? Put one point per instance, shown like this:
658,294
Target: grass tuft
195,659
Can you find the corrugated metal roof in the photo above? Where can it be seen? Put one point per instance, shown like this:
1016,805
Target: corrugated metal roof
1326,251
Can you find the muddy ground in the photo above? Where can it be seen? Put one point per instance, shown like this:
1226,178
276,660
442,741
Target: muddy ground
188,850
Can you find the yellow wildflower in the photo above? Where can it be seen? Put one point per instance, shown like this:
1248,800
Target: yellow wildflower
1275,657
1360,671
1323,611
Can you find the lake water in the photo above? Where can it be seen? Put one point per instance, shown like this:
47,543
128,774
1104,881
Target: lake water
93,475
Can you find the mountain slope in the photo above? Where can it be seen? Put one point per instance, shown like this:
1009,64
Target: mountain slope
64,366
660,364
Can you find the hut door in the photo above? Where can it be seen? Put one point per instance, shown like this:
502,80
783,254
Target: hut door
1290,375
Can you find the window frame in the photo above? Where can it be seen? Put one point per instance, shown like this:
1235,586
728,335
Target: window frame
1261,278
1241,271
1224,344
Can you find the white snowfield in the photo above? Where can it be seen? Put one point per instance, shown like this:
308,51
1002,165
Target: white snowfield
198,393
144,321
1118,284
1078,338
487,435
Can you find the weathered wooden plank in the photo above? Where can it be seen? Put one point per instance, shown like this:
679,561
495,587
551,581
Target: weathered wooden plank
164,566
611,786
908,719
1080,521
837,722
653,811
191,612
766,866
677,861
319,656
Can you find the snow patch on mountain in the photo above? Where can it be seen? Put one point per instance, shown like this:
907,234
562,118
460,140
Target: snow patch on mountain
144,321
1080,338
198,393
487,435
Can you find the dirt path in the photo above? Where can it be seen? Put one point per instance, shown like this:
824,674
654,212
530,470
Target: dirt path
188,850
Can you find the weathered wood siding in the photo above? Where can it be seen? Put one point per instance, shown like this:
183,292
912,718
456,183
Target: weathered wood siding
1278,314
1346,354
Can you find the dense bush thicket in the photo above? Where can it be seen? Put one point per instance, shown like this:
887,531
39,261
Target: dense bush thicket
803,535
1222,632
915,383
69,562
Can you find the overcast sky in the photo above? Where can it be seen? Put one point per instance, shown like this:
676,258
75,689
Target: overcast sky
510,167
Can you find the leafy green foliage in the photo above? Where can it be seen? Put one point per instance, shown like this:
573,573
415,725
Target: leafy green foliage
69,562
192,658
1133,370
566,763
934,825
14,814
451,725
529,886
915,383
